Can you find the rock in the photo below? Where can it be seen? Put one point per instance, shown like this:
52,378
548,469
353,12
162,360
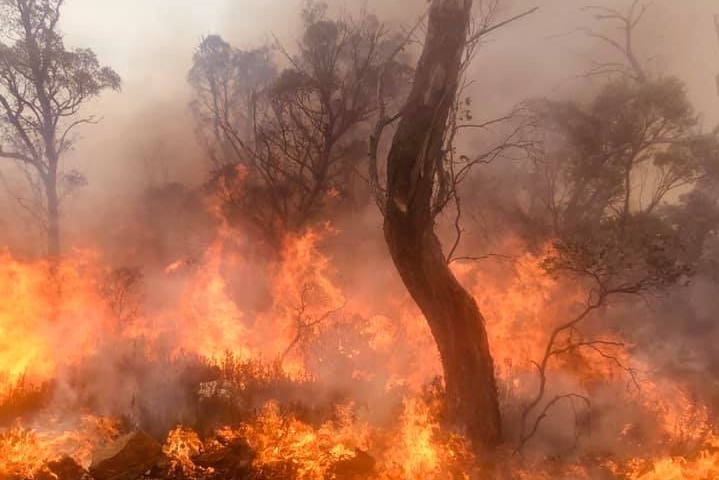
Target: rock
63,469
355,468
233,461
127,458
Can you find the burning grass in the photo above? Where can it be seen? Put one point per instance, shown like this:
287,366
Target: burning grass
316,383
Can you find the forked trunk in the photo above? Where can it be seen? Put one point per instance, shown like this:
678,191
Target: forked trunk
453,316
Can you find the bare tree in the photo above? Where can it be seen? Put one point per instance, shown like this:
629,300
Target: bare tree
121,290
43,87
286,144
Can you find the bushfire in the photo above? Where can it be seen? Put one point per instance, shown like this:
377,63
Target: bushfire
370,260
349,389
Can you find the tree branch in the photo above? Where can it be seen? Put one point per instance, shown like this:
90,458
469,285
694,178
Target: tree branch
499,25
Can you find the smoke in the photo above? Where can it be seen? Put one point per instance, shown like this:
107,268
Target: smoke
146,134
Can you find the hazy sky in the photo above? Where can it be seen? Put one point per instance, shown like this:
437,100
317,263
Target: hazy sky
150,43
150,40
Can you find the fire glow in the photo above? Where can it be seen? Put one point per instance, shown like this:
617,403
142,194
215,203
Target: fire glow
522,308
259,324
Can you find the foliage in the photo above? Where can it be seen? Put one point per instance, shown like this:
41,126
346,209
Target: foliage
43,85
642,257
285,143
627,197
622,153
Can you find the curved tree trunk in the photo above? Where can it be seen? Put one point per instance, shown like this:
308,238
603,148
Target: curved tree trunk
453,316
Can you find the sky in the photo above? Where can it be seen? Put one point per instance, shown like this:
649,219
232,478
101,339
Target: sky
150,42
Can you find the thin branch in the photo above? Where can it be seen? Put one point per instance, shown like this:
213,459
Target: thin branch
543,414
64,143
478,258
304,323
457,229
486,124
629,21
499,25
16,156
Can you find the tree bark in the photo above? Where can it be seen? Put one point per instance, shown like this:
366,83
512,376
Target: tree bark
453,316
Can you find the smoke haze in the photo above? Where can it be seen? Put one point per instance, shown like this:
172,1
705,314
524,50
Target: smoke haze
146,134
144,206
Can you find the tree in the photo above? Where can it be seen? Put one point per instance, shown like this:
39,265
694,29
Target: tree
413,163
43,86
620,155
626,154
605,179
634,260
285,143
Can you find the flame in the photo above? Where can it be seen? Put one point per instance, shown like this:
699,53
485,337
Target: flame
211,322
25,451
54,317
284,442
419,451
286,445
704,465
181,445
21,453
38,320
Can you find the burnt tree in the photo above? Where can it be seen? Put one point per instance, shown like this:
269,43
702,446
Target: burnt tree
286,144
414,159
